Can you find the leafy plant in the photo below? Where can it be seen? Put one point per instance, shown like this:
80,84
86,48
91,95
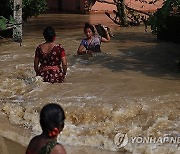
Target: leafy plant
159,19
33,8
7,23
29,8
6,8
3,22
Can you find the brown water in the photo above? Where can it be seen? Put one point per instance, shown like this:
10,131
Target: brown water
9,147
132,88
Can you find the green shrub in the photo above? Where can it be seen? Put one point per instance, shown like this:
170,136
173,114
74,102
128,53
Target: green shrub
158,21
7,23
29,8
6,8
33,8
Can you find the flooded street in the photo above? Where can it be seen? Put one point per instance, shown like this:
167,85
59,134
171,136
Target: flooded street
133,88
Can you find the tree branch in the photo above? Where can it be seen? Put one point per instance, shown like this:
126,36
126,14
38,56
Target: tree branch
139,11
128,8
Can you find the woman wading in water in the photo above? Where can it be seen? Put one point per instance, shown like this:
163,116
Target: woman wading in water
92,42
50,56
52,123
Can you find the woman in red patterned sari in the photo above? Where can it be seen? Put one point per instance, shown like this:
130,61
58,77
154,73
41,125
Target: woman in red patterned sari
51,58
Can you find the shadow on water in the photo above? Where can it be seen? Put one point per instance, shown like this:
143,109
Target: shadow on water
61,22
130,50
143,53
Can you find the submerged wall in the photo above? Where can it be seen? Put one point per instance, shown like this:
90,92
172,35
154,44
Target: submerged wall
102,7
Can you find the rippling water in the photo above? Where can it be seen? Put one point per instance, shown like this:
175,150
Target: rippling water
132,88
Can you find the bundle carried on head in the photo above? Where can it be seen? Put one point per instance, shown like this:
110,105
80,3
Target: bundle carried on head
99,29
102,29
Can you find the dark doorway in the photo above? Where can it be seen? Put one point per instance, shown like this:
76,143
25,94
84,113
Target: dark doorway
78,4
60,3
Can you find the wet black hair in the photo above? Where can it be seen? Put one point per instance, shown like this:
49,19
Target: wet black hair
87,25
49,33
51,116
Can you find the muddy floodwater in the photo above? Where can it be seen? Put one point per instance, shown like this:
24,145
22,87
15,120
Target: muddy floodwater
133,88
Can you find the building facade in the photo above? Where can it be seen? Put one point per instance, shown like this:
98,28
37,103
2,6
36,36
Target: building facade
91,6
79,6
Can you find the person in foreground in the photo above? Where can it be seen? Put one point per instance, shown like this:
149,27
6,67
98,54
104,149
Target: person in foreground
52,123
92,41
50,56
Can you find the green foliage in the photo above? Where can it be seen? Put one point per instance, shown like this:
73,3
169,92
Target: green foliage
7,23
6,8
3,22
29,8
33,8
158,21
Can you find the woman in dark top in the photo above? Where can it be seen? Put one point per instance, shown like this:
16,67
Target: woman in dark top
51,58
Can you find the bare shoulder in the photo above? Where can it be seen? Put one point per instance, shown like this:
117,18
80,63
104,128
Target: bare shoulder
58,149
33,143
33,140
41,44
